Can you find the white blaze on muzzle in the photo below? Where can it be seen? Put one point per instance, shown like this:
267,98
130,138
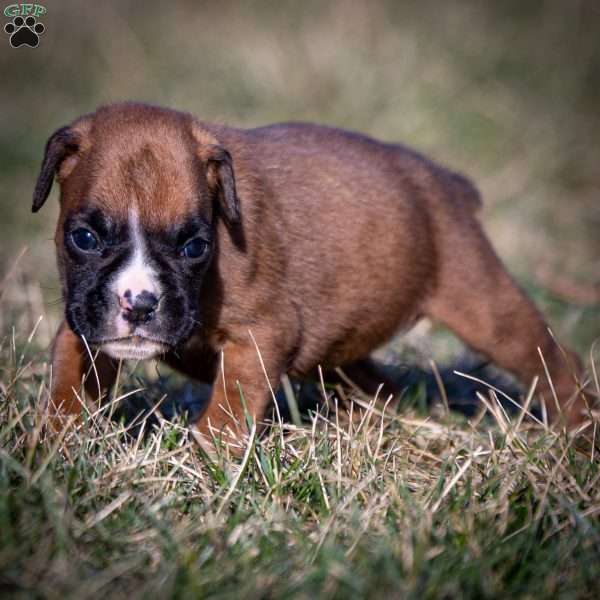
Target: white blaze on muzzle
136,278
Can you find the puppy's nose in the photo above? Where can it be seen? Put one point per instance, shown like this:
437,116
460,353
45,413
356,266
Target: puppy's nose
139,310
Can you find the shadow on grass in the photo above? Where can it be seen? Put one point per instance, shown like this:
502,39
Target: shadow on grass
420,390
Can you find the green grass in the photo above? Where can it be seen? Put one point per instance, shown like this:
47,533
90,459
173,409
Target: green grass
373,504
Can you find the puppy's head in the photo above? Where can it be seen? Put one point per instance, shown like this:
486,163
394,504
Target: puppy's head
141,191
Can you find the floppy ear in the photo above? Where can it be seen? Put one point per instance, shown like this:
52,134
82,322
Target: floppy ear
62,143
221,180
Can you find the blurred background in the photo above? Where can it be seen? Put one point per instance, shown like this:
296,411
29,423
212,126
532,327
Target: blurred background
507,92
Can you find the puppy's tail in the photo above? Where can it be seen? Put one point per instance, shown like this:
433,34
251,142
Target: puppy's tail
463,190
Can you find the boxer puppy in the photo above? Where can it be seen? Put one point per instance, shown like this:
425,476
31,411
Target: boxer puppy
239,255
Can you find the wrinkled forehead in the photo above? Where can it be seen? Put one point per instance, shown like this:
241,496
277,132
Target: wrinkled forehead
156,176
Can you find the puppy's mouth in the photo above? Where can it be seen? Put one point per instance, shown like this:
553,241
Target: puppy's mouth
135,347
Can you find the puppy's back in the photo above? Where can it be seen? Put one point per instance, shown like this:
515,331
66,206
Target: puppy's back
354,219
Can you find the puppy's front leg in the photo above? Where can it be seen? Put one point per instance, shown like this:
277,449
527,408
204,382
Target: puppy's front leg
241,388
72,366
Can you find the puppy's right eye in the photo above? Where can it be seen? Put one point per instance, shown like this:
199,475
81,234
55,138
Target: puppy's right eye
84,239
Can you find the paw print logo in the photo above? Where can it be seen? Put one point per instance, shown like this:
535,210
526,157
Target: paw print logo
24,32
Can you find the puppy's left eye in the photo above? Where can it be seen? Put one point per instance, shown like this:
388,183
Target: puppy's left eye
195,248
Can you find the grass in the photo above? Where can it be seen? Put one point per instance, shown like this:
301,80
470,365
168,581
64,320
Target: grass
369,504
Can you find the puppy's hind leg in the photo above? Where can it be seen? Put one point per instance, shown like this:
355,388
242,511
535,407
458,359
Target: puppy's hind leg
477,299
